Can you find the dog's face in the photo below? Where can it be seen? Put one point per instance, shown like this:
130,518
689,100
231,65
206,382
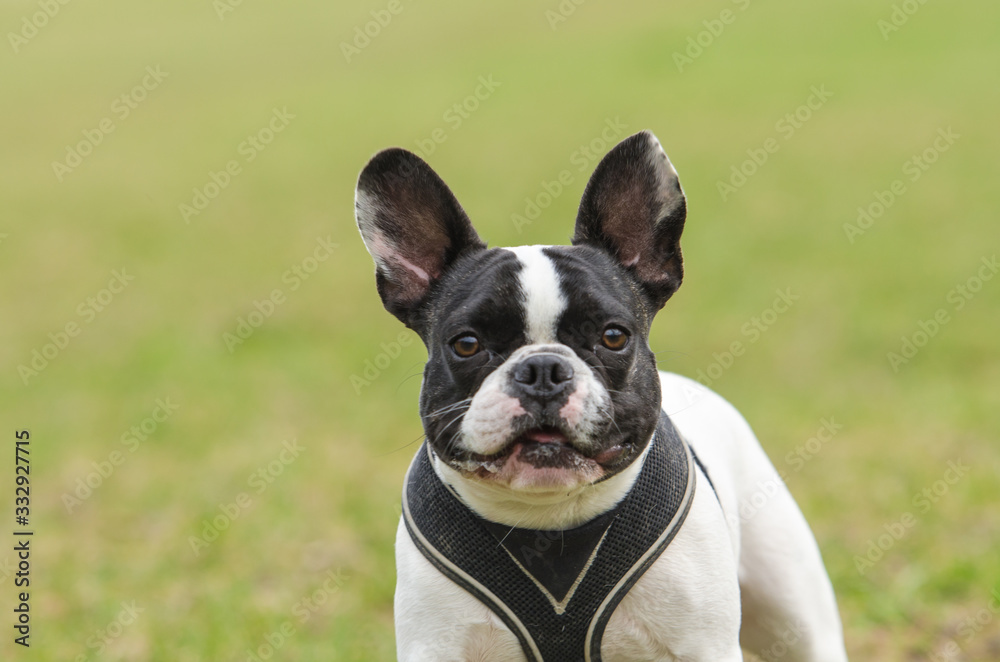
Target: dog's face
539,375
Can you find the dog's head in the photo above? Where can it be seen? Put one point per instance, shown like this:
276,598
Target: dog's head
539,375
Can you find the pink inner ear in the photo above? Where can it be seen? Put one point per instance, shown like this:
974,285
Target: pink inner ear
387,256
411,280
420,273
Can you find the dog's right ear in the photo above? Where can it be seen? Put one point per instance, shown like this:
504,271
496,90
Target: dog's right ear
634,208
413,227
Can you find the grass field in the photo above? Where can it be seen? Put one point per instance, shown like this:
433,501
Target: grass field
184,345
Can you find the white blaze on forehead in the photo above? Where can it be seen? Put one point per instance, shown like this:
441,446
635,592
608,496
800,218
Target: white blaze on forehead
544,301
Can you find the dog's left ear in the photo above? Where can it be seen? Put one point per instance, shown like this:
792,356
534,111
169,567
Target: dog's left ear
413,227
634,208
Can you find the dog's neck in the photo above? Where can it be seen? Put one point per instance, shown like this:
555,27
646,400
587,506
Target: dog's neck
556,510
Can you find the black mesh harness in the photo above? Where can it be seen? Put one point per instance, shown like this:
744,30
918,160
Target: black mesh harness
555,590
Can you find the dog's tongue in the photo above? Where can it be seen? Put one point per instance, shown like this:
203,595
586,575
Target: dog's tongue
544,437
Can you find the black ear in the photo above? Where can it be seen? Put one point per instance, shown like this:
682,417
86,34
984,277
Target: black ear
634,208
413,227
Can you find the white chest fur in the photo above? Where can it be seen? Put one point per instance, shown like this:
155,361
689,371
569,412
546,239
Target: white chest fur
686,606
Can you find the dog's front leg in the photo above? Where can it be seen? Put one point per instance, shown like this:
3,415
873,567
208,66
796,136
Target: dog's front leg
687,605
438,621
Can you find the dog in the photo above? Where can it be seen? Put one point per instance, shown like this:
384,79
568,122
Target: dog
571,502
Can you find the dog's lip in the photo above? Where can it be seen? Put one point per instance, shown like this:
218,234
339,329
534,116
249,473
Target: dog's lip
609,455
541,436
544,435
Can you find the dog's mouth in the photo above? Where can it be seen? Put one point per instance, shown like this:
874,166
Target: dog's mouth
541,448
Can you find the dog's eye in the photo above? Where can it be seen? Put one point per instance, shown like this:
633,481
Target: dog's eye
614,338
466,346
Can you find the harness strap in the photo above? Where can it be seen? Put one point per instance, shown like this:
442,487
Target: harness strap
555,590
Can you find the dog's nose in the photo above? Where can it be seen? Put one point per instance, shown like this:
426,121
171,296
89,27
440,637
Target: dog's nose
543,375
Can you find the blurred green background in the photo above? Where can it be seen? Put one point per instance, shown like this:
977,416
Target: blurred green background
92,188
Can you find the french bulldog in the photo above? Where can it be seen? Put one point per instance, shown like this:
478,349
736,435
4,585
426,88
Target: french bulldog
571,502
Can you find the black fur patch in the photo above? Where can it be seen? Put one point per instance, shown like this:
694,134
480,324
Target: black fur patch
481,295
634,208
